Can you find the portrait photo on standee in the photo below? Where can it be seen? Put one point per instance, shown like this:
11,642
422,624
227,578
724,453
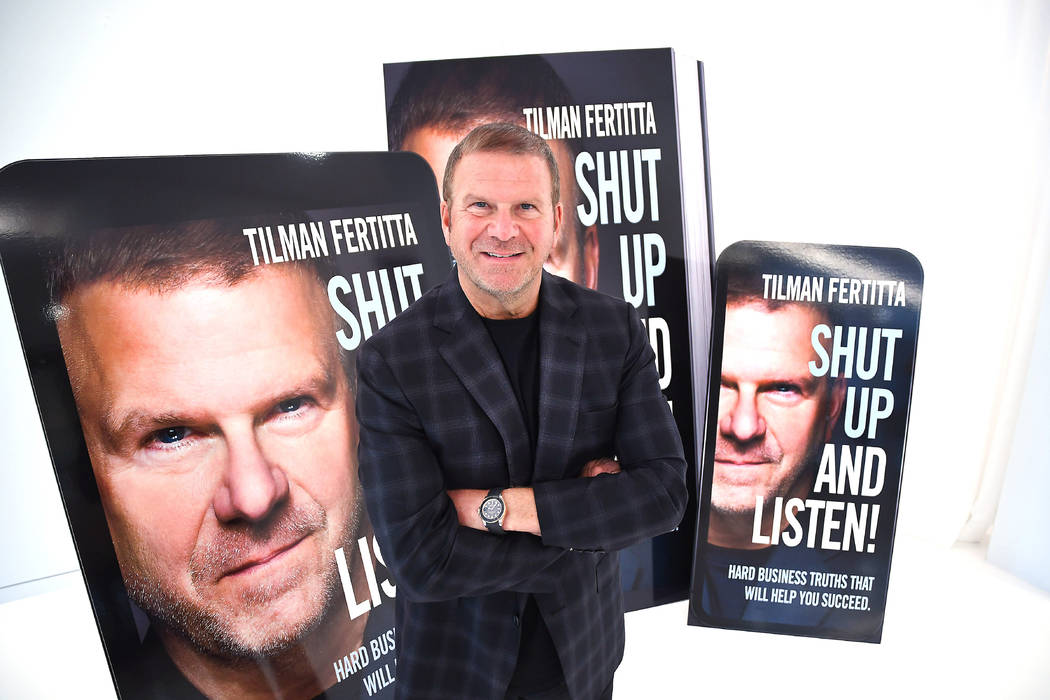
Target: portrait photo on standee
522,443
612,123
815,349
212,485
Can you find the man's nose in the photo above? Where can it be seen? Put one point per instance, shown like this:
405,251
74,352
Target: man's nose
743,422
252,485
503,225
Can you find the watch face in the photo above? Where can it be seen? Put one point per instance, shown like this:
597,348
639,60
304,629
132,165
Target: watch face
491,509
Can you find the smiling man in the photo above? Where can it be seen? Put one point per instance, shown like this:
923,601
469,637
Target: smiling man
219,421
513,438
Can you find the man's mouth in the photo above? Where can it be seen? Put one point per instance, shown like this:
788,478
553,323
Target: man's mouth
258,561
740,462
240,551
502,256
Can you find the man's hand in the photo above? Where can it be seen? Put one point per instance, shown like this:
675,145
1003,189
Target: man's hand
602,465
467,503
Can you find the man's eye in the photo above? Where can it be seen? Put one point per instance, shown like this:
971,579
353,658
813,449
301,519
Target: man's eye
526,205
290,405
480,205
169,436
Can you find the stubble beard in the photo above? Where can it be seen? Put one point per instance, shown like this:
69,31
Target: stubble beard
505,296
213,629
736,509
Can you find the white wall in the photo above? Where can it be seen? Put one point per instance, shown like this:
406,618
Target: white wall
1023,518
907,124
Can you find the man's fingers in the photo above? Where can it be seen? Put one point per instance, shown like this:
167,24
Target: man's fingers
602,465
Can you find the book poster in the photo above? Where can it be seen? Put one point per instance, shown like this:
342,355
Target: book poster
190,326
611,120
813,357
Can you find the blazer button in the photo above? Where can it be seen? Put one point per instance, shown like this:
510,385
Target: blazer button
517,622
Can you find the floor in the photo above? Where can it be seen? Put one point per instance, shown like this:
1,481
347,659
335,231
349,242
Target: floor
955,626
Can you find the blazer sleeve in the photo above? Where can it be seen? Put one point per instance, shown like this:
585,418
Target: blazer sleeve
431,556
648,496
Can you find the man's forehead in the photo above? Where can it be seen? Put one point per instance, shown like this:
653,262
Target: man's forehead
434,145
296,282
785,314
499,168
200,311
777,340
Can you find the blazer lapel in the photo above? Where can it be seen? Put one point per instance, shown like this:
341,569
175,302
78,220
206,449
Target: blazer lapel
563,346
470,353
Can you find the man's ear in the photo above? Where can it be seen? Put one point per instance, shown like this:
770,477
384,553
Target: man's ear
558,233
591,254
446,221
838,397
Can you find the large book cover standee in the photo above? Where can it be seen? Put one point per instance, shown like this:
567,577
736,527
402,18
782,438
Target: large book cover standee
626,128
190,326
812,362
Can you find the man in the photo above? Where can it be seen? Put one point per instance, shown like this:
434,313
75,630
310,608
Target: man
437,103
219,422
774,416
513,388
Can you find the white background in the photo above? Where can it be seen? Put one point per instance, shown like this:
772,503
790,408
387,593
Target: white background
917,125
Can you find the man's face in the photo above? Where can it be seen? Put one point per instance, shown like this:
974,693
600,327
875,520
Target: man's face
773,415
568,257
220,428
501,225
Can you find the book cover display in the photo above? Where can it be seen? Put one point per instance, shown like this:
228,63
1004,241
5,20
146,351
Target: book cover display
812,362
626,129
189,326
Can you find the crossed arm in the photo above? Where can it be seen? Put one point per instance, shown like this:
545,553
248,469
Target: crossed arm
433,537
431,556
614,504
520,501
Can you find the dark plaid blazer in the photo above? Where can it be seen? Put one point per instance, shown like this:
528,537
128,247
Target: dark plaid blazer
436,411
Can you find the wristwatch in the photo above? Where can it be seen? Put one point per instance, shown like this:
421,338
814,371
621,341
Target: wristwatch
492,511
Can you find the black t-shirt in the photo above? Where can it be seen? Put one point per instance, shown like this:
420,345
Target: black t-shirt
518,342
726,599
